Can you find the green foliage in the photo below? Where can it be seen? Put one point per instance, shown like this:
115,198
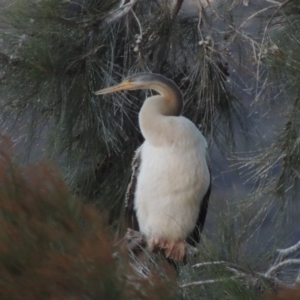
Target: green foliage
58,54
55,64
53,56
229,264
276,165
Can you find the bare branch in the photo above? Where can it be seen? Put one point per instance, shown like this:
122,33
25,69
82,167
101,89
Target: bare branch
256,14
209,281
114,16
139,37
252,277
209,263
288,262
275,13
287,251
274,2
121,12
176,5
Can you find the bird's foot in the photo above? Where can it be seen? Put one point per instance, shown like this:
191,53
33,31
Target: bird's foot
173,250
157,243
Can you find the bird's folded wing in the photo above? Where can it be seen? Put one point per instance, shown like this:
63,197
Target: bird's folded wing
129,196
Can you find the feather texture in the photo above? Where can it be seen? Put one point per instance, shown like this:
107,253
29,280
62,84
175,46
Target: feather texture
173,179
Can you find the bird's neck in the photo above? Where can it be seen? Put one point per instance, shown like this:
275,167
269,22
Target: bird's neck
171,100
154,115
154,121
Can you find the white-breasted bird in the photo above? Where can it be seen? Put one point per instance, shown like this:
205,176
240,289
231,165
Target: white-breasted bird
168,195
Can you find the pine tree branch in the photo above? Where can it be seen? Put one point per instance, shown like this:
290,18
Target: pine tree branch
256,14
114,16
282,5
208,281
135,240
251,277
287,251
288,262
176,5
230,266
282,254
121,11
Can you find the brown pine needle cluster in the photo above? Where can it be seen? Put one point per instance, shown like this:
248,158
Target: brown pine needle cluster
54,247
285,294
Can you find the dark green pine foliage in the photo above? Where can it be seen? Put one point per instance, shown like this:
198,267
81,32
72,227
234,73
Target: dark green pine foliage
277,164
58,53
55,54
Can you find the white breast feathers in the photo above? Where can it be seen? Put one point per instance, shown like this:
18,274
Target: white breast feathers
172,182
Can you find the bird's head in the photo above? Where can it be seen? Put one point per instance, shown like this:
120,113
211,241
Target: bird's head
134,82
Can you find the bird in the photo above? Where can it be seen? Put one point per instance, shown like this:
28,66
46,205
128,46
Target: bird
168,195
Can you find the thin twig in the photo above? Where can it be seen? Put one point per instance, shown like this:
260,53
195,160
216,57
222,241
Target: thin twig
255,14
208,281
240,272
209,263
139,23
275,13
203,19
176,5
273,2
287,251
288,262
124,11
199,24
115,15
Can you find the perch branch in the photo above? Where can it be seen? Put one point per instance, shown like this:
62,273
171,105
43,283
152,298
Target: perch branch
135,240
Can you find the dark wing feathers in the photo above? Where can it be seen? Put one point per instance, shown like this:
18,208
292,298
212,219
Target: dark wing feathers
194,237
129,196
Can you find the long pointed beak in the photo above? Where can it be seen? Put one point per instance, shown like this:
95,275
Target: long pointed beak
123,86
